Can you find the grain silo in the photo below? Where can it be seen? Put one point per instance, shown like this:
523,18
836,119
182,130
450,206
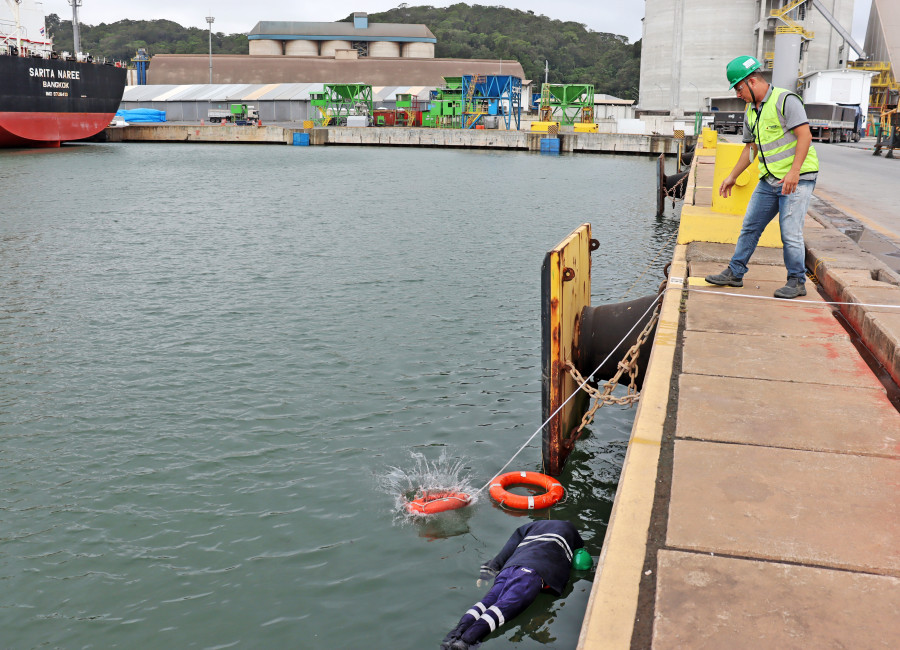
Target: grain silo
266,47
328,48
370,40
301,48
418,50
686,45
384,49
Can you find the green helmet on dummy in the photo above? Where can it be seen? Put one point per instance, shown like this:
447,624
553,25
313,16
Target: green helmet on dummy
582,560
741,68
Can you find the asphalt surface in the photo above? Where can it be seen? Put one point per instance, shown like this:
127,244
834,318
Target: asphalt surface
864,186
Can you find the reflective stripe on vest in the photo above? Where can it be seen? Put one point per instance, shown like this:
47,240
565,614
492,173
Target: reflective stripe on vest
775,141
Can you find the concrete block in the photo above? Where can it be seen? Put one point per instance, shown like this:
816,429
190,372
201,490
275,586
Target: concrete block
878,295
831,510
831,249
770,318
834,281
709,603
881,334
830,361
714,252
789,415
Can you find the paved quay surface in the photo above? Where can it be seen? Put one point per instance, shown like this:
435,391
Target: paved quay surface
759,504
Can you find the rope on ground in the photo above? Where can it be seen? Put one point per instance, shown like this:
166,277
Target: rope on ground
792,301
581,386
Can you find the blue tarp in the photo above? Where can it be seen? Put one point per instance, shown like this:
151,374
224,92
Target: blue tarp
136,115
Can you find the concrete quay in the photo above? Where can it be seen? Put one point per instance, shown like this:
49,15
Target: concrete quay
759,501
395,137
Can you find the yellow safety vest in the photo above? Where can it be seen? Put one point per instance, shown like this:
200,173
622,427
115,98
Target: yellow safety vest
776,143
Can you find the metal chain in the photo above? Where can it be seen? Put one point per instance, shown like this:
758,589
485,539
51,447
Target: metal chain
627,364
672,191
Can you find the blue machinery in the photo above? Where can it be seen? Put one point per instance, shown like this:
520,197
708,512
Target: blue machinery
141,61
494,95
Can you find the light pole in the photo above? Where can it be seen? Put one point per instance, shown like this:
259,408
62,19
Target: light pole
210,20
699,106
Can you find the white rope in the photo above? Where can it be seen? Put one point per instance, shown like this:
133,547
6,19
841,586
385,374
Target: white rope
785,300
652,304
574,393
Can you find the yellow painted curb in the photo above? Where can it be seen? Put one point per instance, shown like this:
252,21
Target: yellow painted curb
612,606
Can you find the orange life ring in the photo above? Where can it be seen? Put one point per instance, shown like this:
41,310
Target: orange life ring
553,494
429,504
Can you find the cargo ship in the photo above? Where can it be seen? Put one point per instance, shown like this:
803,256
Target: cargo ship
46,97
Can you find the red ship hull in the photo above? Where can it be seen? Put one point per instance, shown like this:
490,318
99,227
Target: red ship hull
49,129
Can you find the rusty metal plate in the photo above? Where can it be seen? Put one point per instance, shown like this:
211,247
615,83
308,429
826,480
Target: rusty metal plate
565,291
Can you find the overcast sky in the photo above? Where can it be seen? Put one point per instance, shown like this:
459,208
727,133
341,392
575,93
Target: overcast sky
233,16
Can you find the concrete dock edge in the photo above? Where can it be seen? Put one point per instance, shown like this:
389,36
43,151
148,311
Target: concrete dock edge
612,606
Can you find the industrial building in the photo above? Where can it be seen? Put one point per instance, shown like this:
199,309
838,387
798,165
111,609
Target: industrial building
687,44
283,38
283,52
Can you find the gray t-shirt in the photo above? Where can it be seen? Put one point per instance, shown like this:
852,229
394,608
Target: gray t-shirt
794,116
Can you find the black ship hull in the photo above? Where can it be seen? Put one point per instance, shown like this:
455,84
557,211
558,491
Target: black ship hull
44,102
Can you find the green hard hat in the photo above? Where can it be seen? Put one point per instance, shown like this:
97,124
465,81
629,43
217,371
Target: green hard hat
741,68
582,561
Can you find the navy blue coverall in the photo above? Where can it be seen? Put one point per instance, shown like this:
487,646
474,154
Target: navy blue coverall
538,555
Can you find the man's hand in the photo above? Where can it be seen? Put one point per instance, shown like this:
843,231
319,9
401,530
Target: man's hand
727,184
789,182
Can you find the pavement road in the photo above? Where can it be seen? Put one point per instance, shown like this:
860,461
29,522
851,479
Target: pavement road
863,186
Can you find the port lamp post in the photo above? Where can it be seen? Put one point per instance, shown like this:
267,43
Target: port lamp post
210,20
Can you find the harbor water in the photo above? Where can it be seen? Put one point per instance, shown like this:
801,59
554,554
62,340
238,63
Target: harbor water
211,356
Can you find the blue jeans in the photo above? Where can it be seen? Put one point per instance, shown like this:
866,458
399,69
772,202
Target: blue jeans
766,202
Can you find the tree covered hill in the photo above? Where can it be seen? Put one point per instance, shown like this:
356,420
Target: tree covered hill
575,53
120,40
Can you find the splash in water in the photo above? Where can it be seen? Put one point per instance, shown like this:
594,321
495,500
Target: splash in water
444,480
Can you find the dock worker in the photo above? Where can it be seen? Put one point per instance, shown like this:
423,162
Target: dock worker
538,556
777,130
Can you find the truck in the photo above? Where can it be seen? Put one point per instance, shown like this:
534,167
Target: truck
239,114
834,123
728,114
837,102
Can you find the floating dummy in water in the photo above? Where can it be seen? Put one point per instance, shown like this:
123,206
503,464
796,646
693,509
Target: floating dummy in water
539,555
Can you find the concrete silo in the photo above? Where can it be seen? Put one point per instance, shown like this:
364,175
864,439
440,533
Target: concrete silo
384,49
266,47
687,44
301,48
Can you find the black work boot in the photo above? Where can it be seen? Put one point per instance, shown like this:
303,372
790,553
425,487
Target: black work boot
725,279
794,287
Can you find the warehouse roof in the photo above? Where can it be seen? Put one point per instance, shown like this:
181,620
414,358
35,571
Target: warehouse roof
241,68
287,30
253,92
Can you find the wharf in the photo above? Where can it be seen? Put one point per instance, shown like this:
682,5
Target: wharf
759,501
394,137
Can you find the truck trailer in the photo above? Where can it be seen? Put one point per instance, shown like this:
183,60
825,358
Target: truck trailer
239,114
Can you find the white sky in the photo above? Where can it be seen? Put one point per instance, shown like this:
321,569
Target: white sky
233,16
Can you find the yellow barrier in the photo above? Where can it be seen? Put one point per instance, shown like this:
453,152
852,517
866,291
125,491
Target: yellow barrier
709,138
544,127
586,127
721,221
726,158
